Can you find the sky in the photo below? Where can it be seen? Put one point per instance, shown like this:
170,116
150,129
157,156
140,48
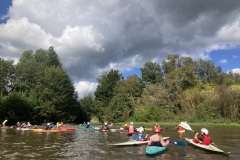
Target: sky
91,37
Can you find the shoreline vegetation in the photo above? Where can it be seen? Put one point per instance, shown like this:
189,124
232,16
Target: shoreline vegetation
207,124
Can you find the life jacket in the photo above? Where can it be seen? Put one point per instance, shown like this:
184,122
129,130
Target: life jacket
105,127
131,129
180,128
206,140
157,129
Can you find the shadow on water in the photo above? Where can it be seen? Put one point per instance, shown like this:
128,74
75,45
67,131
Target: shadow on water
85,145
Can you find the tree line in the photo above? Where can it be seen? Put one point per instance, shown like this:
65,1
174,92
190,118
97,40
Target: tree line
37,89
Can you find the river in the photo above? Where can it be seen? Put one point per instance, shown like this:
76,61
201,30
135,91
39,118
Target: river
85,145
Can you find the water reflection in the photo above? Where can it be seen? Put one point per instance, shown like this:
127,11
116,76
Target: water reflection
85,145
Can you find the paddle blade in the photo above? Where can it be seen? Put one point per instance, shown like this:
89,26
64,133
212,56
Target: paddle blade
179,143
186,126
135,137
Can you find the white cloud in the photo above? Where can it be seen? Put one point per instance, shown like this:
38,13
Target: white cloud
236,70
84,88
92,36
223,61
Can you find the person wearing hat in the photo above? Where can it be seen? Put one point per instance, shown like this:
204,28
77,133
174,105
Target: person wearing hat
202,138
48,127
131,128
105,127
88,125
125,128
29,124
157,139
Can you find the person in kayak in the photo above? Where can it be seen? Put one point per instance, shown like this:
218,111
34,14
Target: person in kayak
105,127
131,128
4,123
48,127
157,139
202,138
125,128
88,125
142,135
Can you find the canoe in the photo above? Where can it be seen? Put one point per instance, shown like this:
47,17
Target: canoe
133,142
153,150
210,147
43,130
84,128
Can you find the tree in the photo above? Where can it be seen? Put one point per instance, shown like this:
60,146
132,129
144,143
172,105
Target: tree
206,71
106,86
151,73
7,70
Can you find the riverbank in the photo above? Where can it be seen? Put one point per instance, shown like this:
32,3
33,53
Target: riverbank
209,123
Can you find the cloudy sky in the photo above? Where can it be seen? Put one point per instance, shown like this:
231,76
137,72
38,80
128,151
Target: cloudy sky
94,36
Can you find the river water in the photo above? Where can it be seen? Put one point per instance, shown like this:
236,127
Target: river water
85,145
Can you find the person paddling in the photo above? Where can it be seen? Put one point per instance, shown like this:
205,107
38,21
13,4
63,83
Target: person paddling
48,127
131,128
88,125
203,138
4,123
105,127
157,139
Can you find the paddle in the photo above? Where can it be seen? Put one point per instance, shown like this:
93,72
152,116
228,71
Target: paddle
186,126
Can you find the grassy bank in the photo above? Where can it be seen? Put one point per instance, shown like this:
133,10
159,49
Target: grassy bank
206,123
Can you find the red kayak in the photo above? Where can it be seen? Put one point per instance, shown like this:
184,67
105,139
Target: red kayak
65,128
131,133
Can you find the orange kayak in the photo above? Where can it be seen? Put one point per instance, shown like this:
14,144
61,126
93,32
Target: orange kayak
43,130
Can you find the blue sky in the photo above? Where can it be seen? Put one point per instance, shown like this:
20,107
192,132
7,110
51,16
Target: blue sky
91,37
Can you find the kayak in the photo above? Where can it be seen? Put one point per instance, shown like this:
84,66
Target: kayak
65,129
205,147
130,143
131,133
104,130
133,142
153,150
23,129
117,129
181,131
43,130
84,128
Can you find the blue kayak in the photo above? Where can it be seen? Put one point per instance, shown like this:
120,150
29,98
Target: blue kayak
91,128
153,150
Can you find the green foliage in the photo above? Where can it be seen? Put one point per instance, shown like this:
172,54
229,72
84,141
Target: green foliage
152,73
7,70
87,108
16,107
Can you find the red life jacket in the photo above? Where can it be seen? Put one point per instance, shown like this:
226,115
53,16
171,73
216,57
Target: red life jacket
180,128
131,129
206,140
